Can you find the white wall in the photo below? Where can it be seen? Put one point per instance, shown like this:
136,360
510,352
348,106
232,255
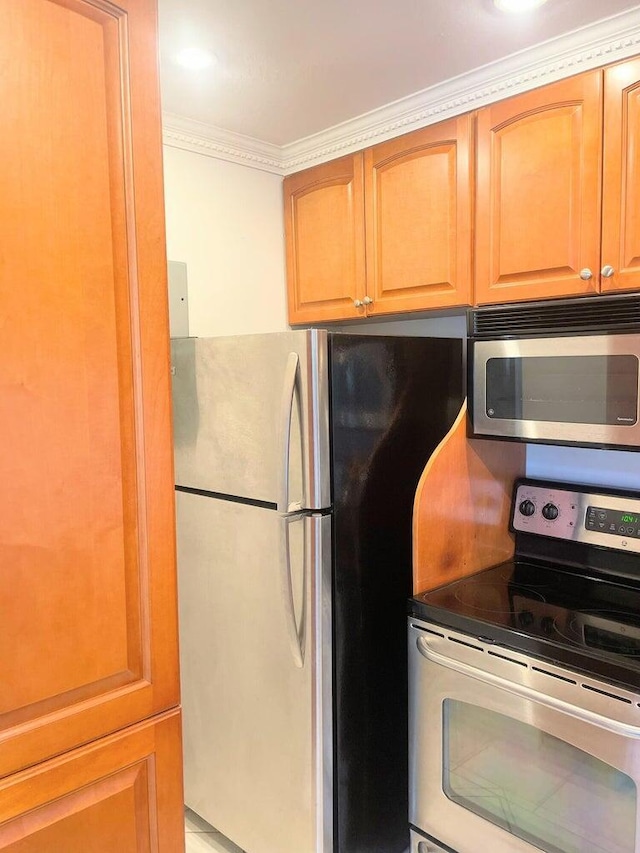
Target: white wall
615,468
225,222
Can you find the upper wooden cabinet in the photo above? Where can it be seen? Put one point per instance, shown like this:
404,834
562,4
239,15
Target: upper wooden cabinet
324,226
418,219
412,196
87,589
558,198
538,192
620,260
557,207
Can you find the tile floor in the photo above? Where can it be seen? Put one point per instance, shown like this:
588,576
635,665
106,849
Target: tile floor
202,838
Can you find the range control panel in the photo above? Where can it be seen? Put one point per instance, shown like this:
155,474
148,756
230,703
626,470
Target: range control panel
577,513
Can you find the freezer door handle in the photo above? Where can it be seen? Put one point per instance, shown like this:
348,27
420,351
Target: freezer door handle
286,412
286,587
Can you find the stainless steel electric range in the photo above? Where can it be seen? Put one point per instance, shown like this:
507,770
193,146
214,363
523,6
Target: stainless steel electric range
524,686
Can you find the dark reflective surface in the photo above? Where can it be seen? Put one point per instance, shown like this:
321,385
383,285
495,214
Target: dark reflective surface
578,620
392,402
591,389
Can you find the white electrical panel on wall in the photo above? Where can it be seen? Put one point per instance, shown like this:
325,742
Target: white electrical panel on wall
178,300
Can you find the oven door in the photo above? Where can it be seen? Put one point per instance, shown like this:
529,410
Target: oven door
581,389
504,758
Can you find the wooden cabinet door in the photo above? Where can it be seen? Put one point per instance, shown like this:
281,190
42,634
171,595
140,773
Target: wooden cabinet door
87,587
418,218
324,228
538,192
621,178
121,794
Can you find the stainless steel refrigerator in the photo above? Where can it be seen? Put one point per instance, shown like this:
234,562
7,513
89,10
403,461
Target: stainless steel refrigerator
297,457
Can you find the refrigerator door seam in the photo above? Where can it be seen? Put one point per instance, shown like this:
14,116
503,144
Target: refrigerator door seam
221,496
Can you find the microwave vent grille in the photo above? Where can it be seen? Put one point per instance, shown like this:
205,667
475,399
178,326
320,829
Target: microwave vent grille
574,316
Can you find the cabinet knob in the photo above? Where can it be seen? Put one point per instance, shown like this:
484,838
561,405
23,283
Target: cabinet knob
367,301
586,274
607,271
358,303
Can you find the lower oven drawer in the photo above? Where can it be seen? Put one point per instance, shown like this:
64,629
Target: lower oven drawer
513,755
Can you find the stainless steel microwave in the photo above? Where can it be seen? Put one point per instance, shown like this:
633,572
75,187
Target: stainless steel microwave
557,372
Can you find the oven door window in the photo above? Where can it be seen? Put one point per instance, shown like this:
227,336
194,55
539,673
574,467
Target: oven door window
535,786
589,389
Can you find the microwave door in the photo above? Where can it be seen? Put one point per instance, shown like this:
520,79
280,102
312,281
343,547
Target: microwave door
578,390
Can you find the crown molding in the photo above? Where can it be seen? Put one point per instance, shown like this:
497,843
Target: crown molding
593,46
201,138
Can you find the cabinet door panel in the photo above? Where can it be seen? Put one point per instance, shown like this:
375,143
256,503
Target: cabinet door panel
538,192
86,532
621,188
324,226
418,215
122,793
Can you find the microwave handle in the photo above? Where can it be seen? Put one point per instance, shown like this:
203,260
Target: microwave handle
425,649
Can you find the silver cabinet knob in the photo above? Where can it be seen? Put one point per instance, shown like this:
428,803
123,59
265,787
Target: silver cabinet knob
367,301
586,274
358,303
607,271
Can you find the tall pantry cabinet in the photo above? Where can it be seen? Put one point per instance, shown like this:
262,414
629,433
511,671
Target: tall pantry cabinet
90,755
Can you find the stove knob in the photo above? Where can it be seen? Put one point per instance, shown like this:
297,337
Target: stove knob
550,512
527,507
525,618
548,624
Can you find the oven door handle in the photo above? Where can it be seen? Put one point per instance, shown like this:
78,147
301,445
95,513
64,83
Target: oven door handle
612,725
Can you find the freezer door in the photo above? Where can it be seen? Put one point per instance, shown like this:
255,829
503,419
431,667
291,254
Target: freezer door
256,673
251,417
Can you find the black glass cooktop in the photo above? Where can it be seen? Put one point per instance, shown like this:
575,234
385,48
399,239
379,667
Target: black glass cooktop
583,622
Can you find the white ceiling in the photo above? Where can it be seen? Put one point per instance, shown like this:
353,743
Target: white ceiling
287,69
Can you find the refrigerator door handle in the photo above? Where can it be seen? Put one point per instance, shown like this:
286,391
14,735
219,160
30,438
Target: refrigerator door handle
286,412
286,587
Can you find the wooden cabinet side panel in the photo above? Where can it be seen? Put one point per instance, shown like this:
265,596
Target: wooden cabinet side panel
324,230
86,462
418,195
158,576
122,793
462,505
538,192
621,180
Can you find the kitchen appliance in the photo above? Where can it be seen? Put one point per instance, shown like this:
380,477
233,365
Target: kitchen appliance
525,686
558,372
297,459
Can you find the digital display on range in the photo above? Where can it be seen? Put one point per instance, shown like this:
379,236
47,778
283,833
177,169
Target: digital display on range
613,521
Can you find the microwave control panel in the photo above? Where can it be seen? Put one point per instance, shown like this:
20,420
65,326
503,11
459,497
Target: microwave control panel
559,511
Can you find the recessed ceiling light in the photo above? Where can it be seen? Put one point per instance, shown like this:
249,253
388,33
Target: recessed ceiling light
194,58
518,5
